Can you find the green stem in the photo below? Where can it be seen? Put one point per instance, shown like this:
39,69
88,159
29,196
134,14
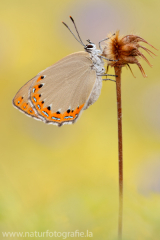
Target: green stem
120,152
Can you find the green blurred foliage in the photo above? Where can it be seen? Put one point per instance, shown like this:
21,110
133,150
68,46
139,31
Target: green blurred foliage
63,179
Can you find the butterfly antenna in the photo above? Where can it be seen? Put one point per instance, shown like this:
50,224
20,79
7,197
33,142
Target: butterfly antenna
76,30
72,33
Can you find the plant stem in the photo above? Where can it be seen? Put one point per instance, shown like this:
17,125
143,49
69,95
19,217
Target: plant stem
120,153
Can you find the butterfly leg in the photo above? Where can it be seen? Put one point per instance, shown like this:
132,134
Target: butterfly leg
106,79
108,59
107,75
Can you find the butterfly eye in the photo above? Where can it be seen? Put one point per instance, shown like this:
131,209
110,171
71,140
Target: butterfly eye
89,46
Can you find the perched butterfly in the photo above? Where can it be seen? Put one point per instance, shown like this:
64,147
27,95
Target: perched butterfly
61,92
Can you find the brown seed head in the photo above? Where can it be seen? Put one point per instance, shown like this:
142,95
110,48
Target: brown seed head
126,50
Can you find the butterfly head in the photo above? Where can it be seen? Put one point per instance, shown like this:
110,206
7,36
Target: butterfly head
90,47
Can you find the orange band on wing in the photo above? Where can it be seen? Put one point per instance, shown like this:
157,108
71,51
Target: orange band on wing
40,78
55,117
25,107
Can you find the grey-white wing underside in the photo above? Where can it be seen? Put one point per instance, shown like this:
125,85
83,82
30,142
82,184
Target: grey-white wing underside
59,93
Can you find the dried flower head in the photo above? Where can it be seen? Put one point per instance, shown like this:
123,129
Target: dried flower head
126,50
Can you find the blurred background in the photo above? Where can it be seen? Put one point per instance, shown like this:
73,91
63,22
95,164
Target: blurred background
64,179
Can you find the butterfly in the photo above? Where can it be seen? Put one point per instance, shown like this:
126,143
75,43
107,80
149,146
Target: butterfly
60,93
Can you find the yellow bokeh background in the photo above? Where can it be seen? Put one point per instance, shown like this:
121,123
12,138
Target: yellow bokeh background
64,179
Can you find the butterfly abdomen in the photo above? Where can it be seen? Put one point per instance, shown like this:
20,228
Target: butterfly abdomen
95,92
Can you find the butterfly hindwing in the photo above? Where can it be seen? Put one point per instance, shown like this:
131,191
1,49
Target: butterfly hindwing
59,94
20,101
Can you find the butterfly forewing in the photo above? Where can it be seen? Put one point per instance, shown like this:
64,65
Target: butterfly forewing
59,93
21,102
